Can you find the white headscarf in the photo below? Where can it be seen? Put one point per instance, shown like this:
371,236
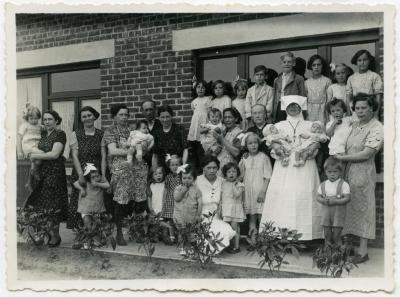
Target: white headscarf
300,101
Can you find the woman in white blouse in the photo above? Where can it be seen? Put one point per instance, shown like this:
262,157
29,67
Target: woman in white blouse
209,184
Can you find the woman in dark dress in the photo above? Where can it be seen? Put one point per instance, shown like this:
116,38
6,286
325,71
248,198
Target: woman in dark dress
50,192
170,139
87,146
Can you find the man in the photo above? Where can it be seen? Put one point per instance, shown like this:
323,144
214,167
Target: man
259,119
149,112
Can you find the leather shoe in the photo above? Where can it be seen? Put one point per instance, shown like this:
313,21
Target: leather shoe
56,244
361,259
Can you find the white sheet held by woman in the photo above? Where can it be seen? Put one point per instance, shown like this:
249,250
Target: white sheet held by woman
291,196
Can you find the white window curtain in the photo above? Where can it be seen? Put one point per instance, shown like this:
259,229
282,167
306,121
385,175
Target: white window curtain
29,90
66,111
96,104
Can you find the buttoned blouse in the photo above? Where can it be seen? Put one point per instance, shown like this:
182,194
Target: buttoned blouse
211,193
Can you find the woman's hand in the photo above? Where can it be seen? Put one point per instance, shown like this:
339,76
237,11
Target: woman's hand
261,197
217,136
218,150
82,180
339,156
83,192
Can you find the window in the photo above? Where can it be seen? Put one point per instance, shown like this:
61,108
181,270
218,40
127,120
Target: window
225,69
64,89
344,53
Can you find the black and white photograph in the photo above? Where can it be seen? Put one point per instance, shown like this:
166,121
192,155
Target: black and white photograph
156,145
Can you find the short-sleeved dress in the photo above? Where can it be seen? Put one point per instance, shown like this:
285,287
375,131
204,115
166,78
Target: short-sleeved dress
171,182
225,156
368,82
127,183
51,190
173,142
200,106
221,103
186,210
93,202
255,168
361,176
232,202
316,97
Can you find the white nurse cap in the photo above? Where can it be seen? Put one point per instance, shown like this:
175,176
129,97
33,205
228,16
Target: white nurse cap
287,100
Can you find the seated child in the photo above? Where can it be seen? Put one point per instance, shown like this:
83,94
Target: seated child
333,194
272,135
140,140
207,139
309,142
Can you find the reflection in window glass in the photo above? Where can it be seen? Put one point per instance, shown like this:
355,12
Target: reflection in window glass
225,69
96,104
273,60
66,111
344,53
75,80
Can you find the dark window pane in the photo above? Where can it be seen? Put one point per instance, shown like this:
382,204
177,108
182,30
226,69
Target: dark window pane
225,69
344,53
273,60
75,80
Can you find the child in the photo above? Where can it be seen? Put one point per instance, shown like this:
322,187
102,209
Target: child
232,191
91,197
287,83
365,80
28,137
208,141
272,135
341,73
200,106
339,127
256,172
260,93
333,194
139,140
308,143
316,87
156,191
220,100
240,88
188,202
172,180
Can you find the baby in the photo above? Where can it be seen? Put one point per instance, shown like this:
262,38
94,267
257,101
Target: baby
140,140
309,142
208,141
272,135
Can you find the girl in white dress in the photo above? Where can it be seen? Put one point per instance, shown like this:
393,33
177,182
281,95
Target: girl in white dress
220,100
291,195
256,171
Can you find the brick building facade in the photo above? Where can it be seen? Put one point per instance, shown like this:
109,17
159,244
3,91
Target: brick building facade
154,56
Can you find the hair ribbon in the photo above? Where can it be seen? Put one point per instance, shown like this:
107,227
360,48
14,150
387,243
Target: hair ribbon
182,168
88,168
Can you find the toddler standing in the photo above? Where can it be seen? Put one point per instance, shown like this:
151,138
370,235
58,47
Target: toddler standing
220,100
333,194
232,191
139,140
156,191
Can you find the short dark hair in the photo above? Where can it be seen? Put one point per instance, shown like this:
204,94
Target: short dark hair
91,110
208,159
259,68
217,82
235,113
189,169
313,58
335,102
165,108
116,108
55,115
228,166
141,121
332,162
370,99
371,58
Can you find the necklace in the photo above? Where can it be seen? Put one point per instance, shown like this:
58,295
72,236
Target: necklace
294,129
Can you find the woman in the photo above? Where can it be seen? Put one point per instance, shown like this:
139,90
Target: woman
291,196
209,184
87,146
128,182
50,192
230,151
365,140
171,139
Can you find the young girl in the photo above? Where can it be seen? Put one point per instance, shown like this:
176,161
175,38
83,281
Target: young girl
200,106
341,73
208,141
91,198
232,191
188,203
140,140
156,191
333,194
220,100
316,88
256,172
260,93
172,180
365,80
28,137
339,127
240,88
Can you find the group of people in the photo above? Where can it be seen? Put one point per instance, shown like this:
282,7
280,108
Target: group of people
252,159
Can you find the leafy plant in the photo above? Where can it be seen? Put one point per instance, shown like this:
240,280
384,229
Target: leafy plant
35,225
99,234
199,242
273,244
145,230
334,259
